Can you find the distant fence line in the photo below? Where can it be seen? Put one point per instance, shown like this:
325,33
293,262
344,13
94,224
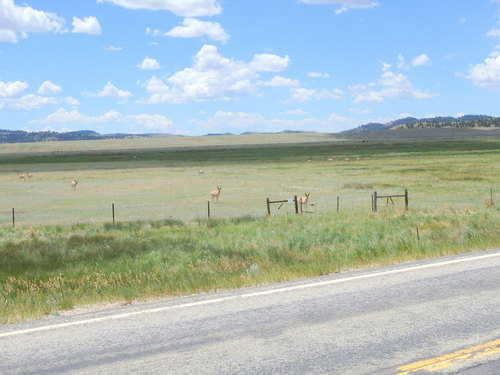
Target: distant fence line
375,197
297,204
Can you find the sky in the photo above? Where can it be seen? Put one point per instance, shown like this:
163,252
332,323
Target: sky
193,67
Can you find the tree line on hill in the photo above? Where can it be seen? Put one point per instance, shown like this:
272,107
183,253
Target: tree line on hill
468,121
20,136
480,123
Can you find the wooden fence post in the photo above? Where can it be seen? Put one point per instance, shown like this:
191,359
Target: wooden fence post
13,219
406,199
113,212
297,205
208,208
491,196
268,207
375,201
338,199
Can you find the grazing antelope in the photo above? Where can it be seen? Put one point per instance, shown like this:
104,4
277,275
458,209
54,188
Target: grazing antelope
73,184
303,201
22,177
215,193
200,171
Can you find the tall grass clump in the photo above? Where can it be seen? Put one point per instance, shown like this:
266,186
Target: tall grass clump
47,269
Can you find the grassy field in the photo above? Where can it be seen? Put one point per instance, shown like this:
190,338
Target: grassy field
161,184
167,142
64,252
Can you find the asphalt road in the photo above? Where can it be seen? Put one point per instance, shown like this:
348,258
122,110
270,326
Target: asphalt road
362,322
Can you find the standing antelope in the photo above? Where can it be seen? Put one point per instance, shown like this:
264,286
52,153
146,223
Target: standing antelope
215,193
22,177
200,171
30,175
73,184
303,201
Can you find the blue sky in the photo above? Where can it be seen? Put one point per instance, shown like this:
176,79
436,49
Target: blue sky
192,67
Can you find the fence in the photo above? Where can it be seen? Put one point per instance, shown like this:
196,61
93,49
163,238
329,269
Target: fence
375,197
294,200
130,213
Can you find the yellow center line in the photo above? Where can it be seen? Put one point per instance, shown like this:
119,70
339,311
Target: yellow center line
451,359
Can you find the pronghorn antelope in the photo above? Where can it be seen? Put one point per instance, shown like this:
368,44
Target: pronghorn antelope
215,193
303,201
21,177
200,171
73,184
30,175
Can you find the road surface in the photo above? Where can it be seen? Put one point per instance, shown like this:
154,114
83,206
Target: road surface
413,318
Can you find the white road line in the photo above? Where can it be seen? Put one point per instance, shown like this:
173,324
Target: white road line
249,295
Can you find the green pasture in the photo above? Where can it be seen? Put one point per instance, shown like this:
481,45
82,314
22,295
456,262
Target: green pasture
165,184
64,252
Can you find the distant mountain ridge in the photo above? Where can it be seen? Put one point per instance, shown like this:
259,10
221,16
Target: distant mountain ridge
467,121
21,136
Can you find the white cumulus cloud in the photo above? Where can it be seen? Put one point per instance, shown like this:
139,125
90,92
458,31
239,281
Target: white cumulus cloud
72,101
153,32
89,25
10,36
131,123
487,73
344,4
10,89
278,81
213,77
110,91
184,8
389,86
494,33
12,96
27,102
269,63
149,64
16,21
296,112
49,88
302,94
420,60
318,75
193,28
156,86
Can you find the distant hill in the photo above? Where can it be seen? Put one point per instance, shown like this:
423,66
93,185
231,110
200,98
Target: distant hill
20,136
467,121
